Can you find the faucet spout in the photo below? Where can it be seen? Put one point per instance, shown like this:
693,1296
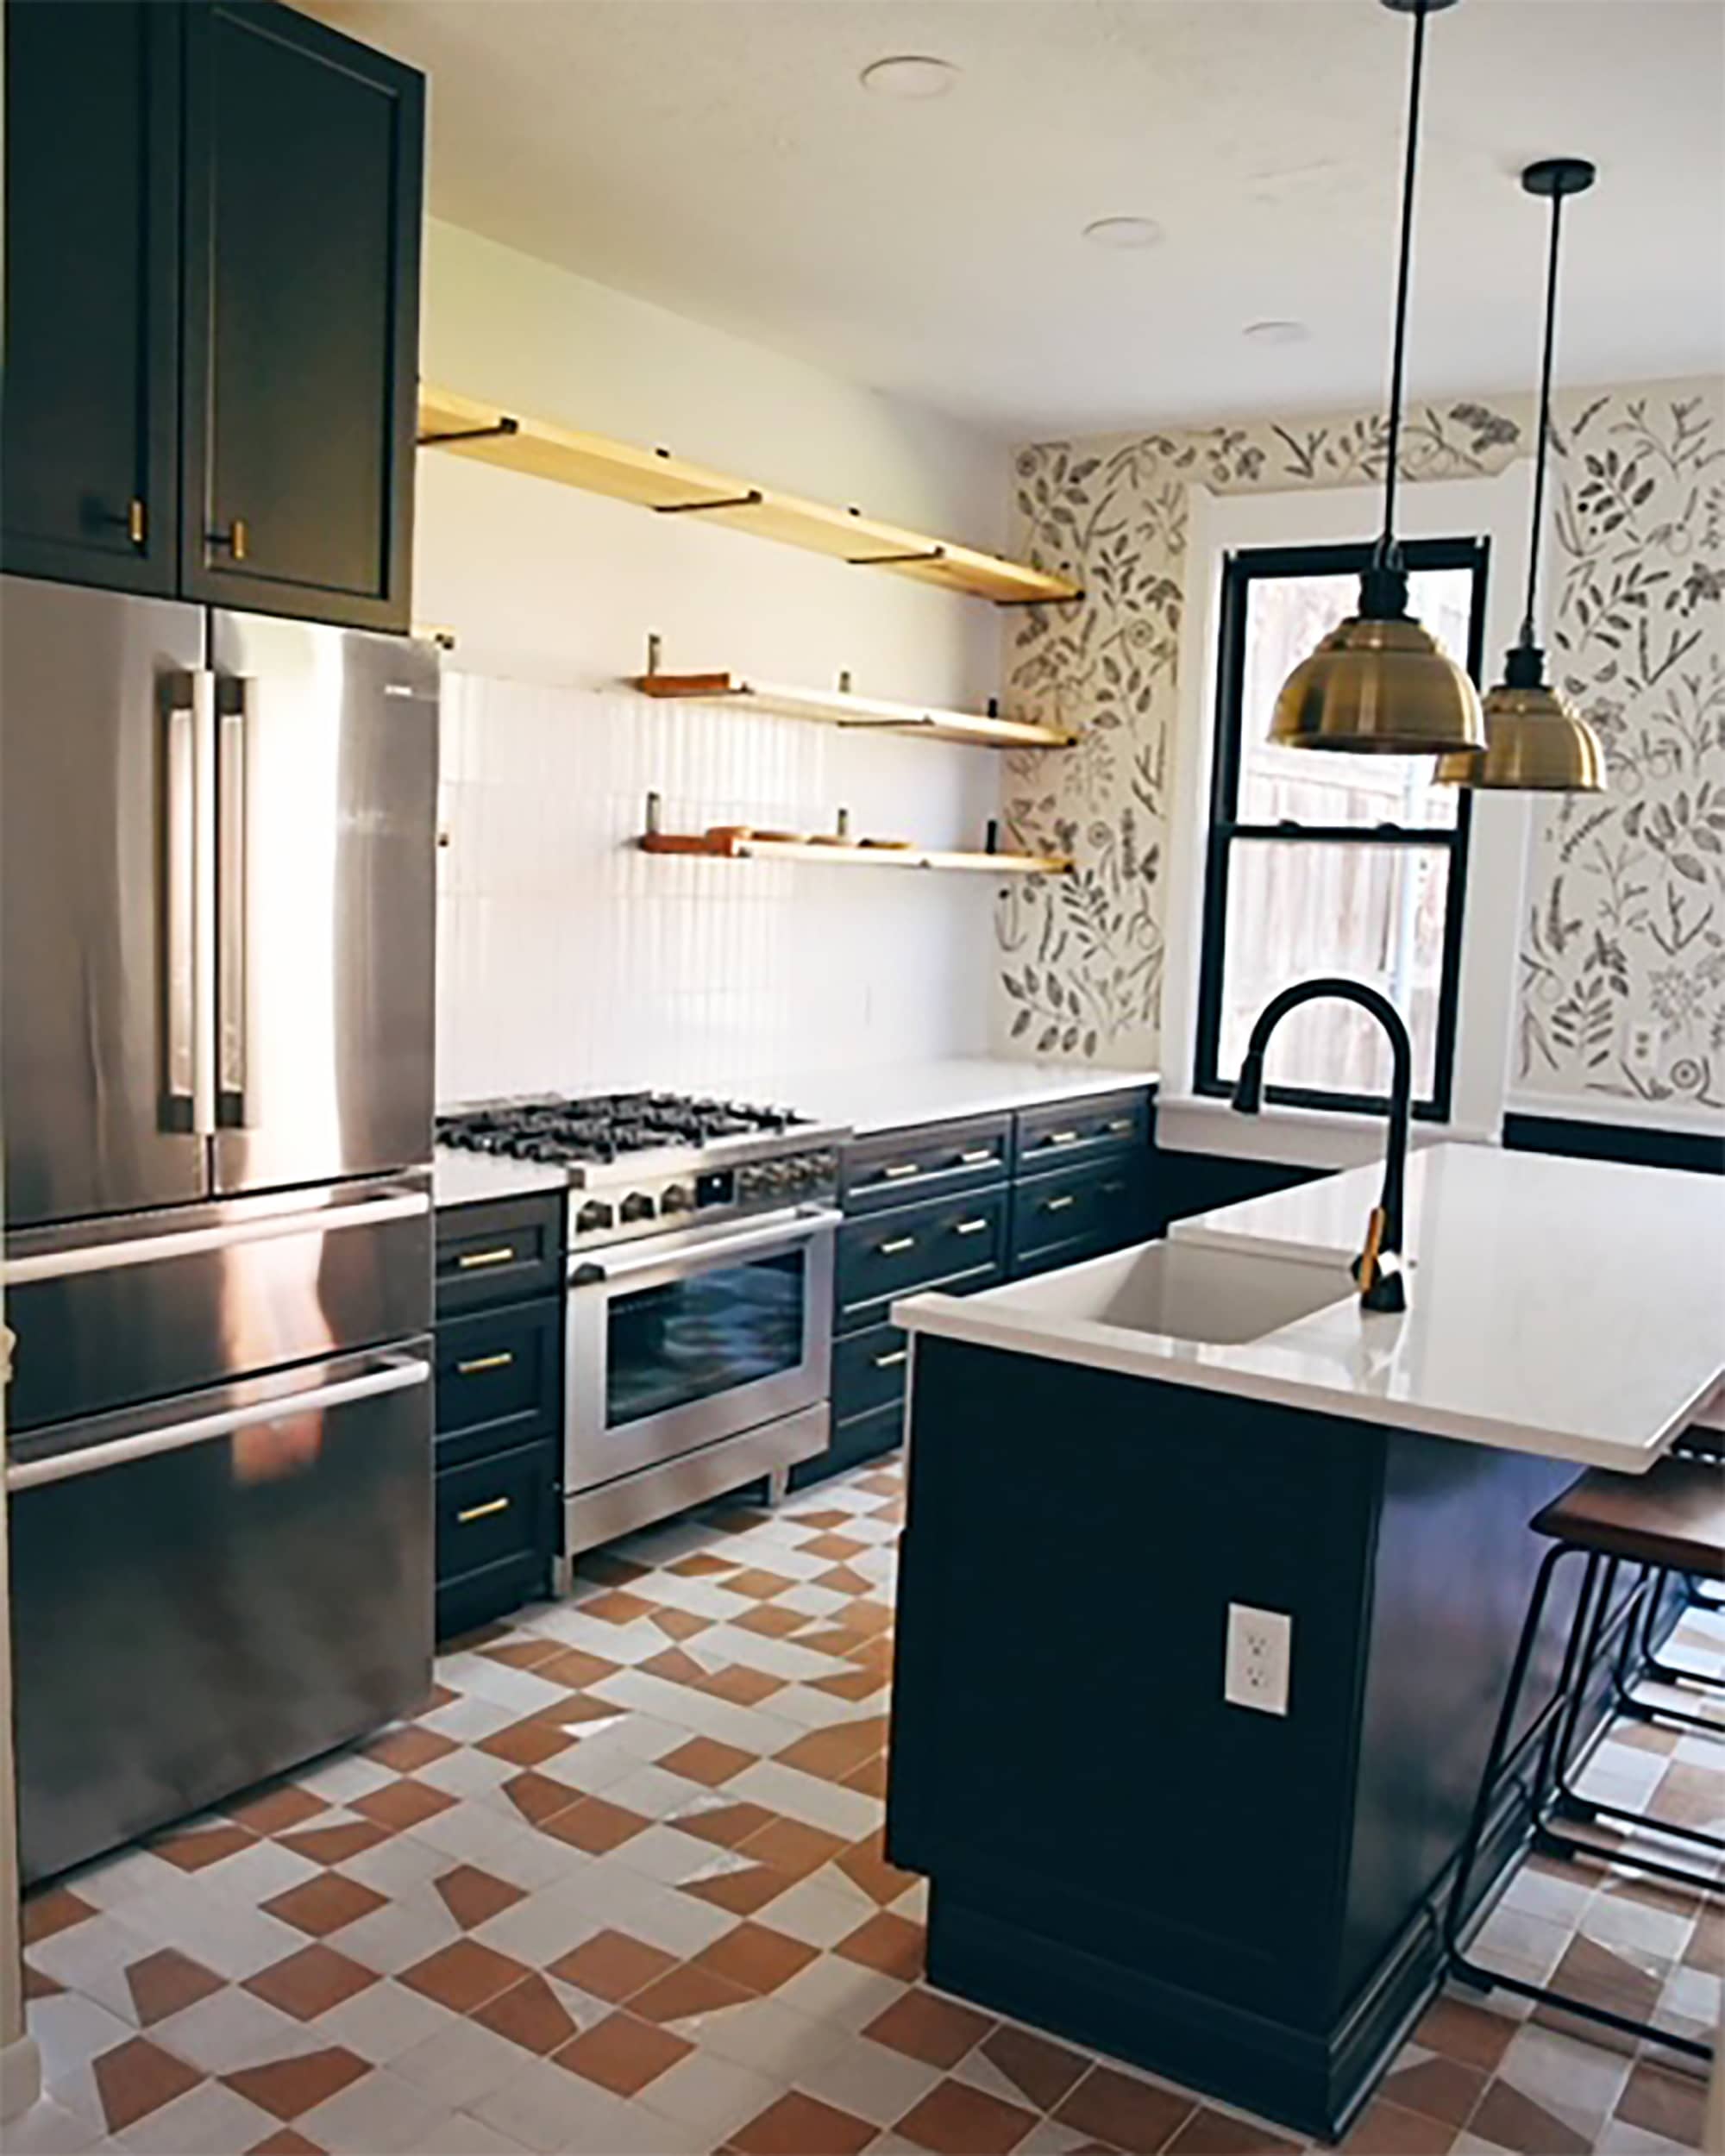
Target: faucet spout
1378,1268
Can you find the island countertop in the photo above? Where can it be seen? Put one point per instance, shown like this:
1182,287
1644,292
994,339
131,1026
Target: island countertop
1570,1308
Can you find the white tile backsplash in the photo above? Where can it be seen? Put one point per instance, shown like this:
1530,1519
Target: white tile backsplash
569,960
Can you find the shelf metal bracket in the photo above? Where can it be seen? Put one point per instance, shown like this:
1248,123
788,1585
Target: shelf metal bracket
504,425
750,500
888,561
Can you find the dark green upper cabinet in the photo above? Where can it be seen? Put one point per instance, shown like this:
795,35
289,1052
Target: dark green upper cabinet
212,305
88,478
303,177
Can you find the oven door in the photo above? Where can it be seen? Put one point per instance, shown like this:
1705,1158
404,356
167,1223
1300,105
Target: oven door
680,1344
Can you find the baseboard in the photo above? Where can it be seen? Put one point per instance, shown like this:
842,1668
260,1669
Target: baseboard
20,2076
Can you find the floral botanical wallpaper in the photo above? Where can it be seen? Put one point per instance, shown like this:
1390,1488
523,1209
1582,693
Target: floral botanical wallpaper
1622,947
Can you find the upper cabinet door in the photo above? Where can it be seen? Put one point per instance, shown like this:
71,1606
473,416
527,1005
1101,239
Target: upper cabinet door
92,291
304,159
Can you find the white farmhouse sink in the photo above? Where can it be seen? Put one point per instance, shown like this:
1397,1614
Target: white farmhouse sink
1183,1291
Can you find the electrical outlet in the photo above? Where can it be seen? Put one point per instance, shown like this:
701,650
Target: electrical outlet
1260,1649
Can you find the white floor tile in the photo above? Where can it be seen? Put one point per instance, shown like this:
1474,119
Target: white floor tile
253,1875
48,2128
459,2065
382,2021
231,2029
208,2121
402,1932
870,2080
805,1796
546,1925
819,1911
712,2092
547,2108
380,2115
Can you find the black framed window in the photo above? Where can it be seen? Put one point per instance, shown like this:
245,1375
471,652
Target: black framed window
1324,862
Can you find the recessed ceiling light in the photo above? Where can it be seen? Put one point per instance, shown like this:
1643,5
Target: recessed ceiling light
1276,332
910,76
1124,232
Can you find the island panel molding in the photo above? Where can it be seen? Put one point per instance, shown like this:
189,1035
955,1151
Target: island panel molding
1621,941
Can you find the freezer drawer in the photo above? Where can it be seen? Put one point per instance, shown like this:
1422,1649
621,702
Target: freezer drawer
138,1307
212,1590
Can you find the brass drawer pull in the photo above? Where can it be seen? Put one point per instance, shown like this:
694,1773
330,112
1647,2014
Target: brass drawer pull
898,1244
1057,1205
892,1360
969,1227
1122,1123
976,1156
135,520
235,539
900,1170
491,1506
1113,1190
471,1260
500,1361
1061,1137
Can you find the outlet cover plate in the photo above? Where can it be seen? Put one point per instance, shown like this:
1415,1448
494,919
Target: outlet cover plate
1259,1653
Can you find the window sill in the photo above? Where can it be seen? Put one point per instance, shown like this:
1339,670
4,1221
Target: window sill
1304,1137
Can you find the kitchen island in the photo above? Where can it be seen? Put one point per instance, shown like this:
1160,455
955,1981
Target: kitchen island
1239,1892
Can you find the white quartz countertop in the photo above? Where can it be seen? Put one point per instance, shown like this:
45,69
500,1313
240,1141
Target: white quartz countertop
900,1094
1567,1308
459,1178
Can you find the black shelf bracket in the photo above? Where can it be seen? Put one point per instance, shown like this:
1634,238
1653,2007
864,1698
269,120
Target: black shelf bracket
890,560
505,425
750,500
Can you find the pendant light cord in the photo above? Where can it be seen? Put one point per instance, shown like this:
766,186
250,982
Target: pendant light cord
1529,639
1388,552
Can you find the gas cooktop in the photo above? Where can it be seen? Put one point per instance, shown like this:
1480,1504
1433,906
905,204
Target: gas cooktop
598,1128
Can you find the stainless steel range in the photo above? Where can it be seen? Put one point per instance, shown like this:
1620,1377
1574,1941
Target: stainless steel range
698,1324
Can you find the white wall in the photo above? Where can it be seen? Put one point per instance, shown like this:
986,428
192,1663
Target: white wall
566,959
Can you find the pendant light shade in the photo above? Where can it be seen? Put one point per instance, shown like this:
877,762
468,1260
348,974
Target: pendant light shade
1382,683
1536,742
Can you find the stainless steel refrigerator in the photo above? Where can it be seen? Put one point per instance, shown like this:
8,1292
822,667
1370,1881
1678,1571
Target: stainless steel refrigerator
216,900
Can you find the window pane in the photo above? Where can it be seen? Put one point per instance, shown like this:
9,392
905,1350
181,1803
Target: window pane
1371,913
1285,617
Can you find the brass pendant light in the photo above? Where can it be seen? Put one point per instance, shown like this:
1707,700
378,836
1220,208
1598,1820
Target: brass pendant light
1381,682
1536,742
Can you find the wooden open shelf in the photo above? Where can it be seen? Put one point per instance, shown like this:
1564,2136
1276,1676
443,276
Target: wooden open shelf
852,855
671,485
838,707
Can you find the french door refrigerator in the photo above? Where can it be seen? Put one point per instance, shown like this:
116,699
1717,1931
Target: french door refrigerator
216,899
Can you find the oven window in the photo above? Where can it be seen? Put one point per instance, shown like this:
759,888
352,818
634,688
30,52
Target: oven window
694,1338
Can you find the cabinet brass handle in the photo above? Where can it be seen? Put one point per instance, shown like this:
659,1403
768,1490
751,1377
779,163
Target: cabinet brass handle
1057,1205
472,1260
976,1156
900,1170
1113,1190
969,1227
1121,1123
500,1361
235,539
898,1243
891,1359
491,1506
1061,1137
135,520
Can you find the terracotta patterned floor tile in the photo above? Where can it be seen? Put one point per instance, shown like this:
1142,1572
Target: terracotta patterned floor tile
758,1585
893,1945
285,2141
832,1518
742,1892
526,1744
925,2026
410,1747
680,1624
137,2077
287,2087
729,1826
797,2125
38,1985
701,1566
686,1991
540,1797
1662,2099
866,1620
755,1957
1706,1947
872,1778
742,1686
770,1622
705,1760
1441,2088
274,1811
846,1683
310,1983
1043,2070
472,1895
335,1843
841,1646
1386,2129
613,1965
786,1844
529,2014
576,1668
439,1695
866,1866
959,2120
164,1982
1208,2133
842,1580
1139,2116
622,2054
201,1845
834,1753
1459,2029
403,1803
835,1547
464,1974
674,1667
619,1607
521,1654
597,1826
322,1906
614,1570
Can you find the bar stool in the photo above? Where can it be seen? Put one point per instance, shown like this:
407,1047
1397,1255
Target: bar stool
1696,1443
1671,1520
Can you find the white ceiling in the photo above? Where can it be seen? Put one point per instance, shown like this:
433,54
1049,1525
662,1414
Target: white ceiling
718,157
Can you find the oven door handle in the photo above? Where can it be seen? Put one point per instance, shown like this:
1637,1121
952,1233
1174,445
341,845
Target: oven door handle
783,1234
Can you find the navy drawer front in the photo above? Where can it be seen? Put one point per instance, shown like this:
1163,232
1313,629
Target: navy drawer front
1070,1131
500,1379
931,1161
868,1371
497,1532
1080,1212
948,1243
505,1252
864,1438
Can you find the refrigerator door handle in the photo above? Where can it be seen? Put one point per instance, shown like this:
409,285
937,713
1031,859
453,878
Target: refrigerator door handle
233,809
179,898
203,902
149,1250
397,1373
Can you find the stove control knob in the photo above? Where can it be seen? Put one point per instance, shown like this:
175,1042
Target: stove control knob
677,1198
592,1215
637,1206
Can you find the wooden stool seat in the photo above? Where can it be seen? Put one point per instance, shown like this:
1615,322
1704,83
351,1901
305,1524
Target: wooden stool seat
1673,1516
